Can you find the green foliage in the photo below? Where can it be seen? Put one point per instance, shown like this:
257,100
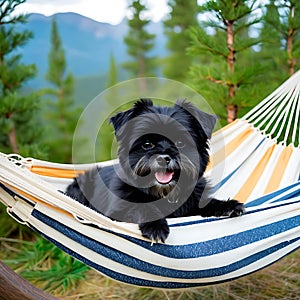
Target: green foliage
183,15
20,130
7,7
228,11
282,20
223,74
60,113
112,74
272,53
19,111
9,228
47,266
139,42
56,58
106,135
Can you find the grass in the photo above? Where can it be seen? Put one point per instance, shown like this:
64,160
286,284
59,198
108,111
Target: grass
42,264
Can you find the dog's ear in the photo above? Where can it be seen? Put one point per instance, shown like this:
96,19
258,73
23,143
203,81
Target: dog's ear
143,105
121,118
206,121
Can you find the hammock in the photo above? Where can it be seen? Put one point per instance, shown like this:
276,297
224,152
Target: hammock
258,158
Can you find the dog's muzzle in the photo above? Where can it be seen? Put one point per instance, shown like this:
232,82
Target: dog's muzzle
163,176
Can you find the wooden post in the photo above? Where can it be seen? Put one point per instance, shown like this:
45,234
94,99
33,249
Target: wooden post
13,287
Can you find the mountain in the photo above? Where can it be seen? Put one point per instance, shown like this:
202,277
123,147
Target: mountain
87,43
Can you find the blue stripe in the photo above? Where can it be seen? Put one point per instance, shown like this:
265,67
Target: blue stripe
281,204
220,245
135,263
166,284
213,219
275,194
201,249
13,194
289,196
213,247
7,190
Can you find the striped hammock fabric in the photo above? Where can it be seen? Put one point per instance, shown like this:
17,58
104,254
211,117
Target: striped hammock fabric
256,159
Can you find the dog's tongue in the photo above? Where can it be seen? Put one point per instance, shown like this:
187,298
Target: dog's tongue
163,177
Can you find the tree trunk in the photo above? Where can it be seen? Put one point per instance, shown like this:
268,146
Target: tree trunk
141,74
291,60
12,135
232,110
230,46
291,32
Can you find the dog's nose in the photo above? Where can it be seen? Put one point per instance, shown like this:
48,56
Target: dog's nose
163,160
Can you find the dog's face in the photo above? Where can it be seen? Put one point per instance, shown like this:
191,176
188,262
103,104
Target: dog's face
163,150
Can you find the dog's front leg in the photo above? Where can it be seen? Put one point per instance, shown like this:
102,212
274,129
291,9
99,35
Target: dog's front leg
157,230
152,223
219,208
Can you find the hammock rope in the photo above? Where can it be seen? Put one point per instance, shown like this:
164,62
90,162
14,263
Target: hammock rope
279,112
251,160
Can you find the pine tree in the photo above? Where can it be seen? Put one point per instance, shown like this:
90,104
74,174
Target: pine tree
61,114
220,54
19,130
183,15
139,43
112,74
271,53
284,18
105,135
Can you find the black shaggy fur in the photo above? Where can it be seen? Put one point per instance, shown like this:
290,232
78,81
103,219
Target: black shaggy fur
163,153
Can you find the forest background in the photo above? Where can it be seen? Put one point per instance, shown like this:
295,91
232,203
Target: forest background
233,53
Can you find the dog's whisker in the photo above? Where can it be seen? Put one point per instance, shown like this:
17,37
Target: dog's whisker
188,167
142,167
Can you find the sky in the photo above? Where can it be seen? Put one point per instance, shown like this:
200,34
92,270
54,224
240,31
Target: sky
107,11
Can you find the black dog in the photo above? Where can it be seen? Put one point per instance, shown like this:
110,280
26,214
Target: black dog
163,153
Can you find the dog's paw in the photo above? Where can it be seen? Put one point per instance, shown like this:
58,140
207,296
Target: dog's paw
156,230
234,208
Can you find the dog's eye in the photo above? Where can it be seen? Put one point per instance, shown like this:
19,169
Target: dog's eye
179,144
148,145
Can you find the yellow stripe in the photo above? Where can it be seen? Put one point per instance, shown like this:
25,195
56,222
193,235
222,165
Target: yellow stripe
254,177
224,152
279,169
223,129
55,172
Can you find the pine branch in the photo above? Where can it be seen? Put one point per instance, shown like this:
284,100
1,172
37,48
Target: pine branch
213,24
244,45
214,80
239,27
7,8
201,41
